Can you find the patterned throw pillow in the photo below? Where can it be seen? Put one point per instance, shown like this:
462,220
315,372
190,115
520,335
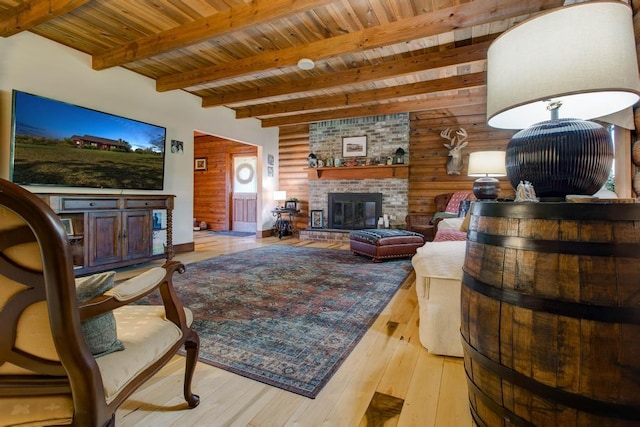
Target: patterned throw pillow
100,331
454,202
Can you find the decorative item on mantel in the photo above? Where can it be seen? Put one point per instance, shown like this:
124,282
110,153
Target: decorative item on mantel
313,160
454,162
398,159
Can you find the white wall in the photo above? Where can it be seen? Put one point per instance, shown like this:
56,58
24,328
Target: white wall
36,65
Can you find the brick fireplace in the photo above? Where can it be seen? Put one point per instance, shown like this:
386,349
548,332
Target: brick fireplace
384,135
394,191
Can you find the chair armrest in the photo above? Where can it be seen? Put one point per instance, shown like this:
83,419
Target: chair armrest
136,288
131,289
418,219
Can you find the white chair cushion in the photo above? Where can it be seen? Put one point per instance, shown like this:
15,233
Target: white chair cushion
146,335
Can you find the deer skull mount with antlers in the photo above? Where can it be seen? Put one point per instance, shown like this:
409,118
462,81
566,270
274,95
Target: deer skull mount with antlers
458,142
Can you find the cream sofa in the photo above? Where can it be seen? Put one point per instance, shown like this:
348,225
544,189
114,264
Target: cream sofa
438,267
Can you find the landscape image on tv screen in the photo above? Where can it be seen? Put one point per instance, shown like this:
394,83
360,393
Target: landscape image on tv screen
60,144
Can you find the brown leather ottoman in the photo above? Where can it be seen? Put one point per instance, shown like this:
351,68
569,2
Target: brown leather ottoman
385,243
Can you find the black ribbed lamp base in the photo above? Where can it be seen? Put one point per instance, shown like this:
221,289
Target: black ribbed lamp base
560,157
486,188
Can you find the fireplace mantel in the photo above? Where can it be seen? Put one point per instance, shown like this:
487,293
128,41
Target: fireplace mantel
359,172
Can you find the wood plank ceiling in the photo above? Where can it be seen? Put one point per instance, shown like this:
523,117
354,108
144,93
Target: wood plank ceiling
371,56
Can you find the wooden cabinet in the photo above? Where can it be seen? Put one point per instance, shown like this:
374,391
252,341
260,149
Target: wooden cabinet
136,234
113,231
119,236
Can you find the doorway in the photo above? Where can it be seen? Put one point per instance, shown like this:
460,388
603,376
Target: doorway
244,193
214,186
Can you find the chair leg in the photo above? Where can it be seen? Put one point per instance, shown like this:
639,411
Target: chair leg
192,347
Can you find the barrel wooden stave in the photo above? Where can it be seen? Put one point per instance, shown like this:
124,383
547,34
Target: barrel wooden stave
586,357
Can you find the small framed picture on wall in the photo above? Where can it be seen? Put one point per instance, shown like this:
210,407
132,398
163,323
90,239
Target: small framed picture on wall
200,164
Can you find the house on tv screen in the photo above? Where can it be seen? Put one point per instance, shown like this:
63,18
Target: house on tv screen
99,143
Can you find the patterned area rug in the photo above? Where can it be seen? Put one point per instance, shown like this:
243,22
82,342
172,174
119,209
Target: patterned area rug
283,315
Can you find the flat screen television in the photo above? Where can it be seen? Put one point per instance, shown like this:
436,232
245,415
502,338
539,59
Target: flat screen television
59,144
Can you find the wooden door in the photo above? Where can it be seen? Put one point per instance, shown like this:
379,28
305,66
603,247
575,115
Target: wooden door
104,237
136,233
244,193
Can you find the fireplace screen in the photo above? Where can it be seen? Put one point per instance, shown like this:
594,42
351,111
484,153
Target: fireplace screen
353,211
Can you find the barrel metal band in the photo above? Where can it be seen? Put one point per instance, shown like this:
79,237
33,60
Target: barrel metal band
559,210
494,406
599,313
572,400
624,250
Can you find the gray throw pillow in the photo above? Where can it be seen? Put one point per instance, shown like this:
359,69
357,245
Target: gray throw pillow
99,332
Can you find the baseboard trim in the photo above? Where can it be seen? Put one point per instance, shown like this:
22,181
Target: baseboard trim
184,247
264,233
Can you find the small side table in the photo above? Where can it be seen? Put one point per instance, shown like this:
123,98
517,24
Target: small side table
285,221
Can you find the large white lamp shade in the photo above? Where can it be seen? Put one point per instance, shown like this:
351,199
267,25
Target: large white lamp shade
579,62
583,55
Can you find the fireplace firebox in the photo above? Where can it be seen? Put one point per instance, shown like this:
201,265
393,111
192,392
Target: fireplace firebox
354,211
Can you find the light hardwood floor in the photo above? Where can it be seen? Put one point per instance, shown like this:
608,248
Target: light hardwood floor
388,380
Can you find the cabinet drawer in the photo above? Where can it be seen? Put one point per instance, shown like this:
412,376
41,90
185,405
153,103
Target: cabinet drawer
141,204
71,204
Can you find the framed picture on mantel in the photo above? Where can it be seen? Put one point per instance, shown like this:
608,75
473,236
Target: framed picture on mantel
354,146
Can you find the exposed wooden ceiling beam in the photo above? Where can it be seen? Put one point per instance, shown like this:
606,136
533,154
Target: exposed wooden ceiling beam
234,19
476,96
28,14
425,25
427,61
462,82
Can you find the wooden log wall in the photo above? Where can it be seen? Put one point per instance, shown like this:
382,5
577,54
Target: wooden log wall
211,199
428,162
293,150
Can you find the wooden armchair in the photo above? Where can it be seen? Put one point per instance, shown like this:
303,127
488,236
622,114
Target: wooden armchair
62,362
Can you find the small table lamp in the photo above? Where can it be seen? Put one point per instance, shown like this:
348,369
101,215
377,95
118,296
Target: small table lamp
279,195
578,60
487,165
